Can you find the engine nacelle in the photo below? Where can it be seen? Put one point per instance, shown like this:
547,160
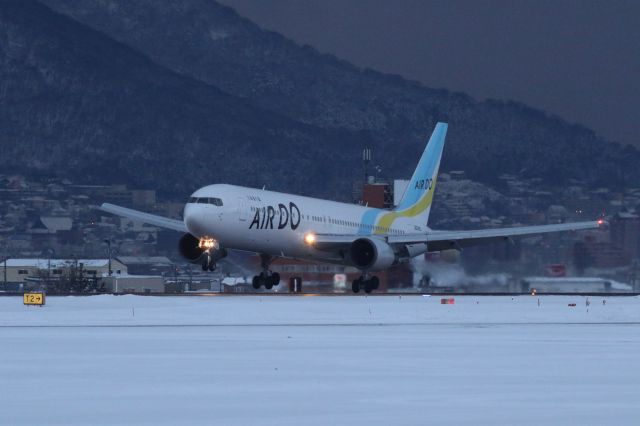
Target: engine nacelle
191,248
372,254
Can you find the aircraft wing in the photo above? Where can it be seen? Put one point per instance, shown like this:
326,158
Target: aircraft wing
138,216
443,240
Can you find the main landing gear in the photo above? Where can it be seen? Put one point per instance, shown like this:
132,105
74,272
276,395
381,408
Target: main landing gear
367,283
266,278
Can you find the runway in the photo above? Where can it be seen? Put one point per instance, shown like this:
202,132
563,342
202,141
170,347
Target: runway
318,361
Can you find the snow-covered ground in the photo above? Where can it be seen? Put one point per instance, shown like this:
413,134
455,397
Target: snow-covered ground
274,360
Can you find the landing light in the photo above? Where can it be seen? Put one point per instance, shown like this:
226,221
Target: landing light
207,243
310,238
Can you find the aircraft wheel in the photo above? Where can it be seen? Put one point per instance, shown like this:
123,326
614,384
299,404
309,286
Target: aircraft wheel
212,266
355,285
368,286
275,278
375,282
256,282
268,285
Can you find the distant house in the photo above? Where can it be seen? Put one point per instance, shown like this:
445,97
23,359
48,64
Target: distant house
55,223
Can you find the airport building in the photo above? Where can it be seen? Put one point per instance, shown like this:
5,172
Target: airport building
49,274
302,276
23,270
327,278
134,284
541,285
147,265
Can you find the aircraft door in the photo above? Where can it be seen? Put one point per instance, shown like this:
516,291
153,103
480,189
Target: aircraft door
243,209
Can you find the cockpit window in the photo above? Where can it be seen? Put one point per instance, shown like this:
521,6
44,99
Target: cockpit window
206,200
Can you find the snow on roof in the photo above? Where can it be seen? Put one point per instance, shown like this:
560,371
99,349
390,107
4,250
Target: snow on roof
577,280
55,263
566,279
127,260
57,223
132,277
627,215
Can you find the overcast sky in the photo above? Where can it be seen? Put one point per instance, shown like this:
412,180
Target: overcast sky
577,59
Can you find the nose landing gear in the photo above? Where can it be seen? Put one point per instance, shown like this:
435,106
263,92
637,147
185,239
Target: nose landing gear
368,284
209,247
266,278
208,264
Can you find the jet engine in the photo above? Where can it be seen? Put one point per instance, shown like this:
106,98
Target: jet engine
200,250
372,254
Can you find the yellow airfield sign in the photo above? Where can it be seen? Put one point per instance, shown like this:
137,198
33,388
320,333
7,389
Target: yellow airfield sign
36,298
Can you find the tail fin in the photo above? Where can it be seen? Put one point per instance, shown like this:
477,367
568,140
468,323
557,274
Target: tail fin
417,198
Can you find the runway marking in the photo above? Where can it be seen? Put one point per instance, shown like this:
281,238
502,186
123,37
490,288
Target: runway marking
438,324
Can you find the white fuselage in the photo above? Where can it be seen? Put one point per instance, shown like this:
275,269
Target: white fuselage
276,223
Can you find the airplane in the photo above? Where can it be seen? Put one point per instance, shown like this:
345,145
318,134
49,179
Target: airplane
223,217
